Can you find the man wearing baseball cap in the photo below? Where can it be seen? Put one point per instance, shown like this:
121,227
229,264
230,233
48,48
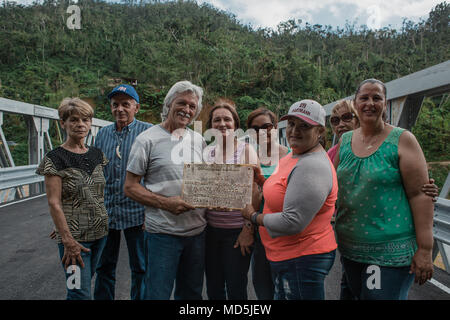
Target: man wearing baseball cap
124,214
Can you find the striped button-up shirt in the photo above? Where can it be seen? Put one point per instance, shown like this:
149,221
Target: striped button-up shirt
123,212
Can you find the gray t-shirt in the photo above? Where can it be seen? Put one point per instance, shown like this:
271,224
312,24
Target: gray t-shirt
159,157
309,184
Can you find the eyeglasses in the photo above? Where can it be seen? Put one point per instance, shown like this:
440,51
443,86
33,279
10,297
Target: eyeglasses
266,126
346,117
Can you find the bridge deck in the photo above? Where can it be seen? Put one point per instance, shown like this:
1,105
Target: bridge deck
30,269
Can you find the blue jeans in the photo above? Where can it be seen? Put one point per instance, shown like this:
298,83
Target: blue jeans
261,273
302,278
176,259
226,268
90,260
377,282
106,269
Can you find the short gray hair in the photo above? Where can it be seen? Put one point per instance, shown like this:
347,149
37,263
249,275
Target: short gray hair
178,88
70,106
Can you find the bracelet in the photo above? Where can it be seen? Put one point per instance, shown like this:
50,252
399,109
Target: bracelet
253,217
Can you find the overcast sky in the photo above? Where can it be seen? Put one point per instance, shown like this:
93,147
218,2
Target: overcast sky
374,14
269,13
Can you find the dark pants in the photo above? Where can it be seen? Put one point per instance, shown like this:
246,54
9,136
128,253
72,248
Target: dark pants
302,278
372,282
346,293
106,269
174,259
261,273
226,268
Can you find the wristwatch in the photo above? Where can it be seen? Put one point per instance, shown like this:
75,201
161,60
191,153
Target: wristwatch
248,224
253,217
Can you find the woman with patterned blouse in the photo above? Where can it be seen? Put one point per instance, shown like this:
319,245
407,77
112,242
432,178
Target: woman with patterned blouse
384,222
74,185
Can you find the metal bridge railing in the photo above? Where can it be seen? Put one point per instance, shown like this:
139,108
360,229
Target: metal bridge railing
19,176
20,181
441,226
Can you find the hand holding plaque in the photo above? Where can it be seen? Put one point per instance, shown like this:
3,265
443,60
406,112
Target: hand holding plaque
218,186
177,205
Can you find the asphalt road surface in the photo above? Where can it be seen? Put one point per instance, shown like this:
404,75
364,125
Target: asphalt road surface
30,266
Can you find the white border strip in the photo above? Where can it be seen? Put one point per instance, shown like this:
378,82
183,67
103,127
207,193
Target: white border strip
440,285
23,200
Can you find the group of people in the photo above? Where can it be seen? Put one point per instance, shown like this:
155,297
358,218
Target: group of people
374,181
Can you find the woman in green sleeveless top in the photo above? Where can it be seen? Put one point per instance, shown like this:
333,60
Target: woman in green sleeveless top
384,222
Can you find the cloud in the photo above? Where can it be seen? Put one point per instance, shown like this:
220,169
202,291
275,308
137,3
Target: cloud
265,13
335,10
269,13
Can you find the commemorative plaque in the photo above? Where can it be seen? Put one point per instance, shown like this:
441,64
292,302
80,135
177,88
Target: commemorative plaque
217,185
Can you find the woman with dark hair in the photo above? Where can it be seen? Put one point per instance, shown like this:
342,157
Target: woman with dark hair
264,122
384,221
229,239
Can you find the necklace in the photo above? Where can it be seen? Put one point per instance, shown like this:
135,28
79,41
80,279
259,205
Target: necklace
370,146
118,152
120,136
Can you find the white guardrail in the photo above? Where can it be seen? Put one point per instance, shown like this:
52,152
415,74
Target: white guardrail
18,176
441,225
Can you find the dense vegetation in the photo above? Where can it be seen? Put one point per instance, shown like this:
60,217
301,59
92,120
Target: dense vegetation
43,61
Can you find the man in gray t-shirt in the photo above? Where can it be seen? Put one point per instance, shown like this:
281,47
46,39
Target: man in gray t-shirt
174,230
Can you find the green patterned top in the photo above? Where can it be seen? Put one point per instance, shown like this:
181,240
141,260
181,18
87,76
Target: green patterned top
374,223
